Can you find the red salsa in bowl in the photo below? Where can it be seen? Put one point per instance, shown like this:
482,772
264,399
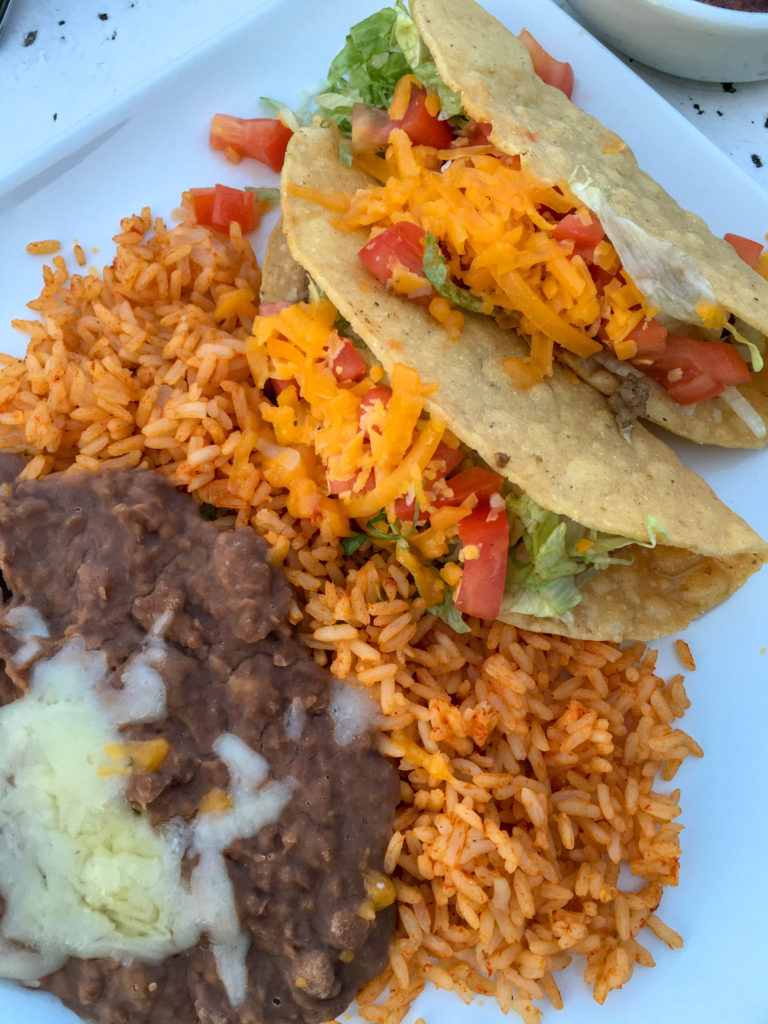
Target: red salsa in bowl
751,6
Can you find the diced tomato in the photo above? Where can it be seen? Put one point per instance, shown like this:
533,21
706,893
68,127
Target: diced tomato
202,201
708,367
272,308
573,228
693,388
445,460
346,362
370,128
480,482
649,336
404,510
748,249
554,72
218,207
482,583
262,138
600,276
583,236
450,457
341,486
720,359
421,127
382,394
344,486
402,244
234,204
477,133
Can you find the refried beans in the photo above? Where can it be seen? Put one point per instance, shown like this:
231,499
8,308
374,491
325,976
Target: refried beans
115,561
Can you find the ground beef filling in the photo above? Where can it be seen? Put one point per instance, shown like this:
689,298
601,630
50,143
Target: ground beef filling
109,556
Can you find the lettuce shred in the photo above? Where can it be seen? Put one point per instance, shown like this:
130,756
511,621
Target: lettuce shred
449,613
543,570
436,272
377,53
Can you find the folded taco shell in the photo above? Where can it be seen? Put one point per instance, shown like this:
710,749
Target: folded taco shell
556,442
670,252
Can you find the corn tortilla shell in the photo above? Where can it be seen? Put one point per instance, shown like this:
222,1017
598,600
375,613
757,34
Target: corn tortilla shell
557,442
483,61
282,279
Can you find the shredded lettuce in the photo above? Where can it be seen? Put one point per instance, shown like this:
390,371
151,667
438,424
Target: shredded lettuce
448,612
542,577
291,118
665,274
264,195
436,271
377,53
544,599
754,345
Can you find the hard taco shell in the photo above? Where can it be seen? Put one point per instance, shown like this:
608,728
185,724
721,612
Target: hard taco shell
556,442
670,252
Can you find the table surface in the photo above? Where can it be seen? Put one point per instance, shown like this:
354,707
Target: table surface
61,60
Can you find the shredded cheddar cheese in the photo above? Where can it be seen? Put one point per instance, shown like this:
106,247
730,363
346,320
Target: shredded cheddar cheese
215,801
493,220
402,96
626,349
711,315
237,302
451,573
319,437
430,586
136,756
397,744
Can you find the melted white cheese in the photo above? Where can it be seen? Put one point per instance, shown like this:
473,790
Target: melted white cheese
142,698
353,712
81,873
294,720
27,626
254,804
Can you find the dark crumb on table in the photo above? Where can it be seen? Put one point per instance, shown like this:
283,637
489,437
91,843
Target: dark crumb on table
103,16
728,87
698,108
55,116
62,22
719,113
30,37
756,160
114,35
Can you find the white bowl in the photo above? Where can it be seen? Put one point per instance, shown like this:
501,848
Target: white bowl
683,37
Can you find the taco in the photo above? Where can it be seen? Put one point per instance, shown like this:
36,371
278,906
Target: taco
606,538
537,214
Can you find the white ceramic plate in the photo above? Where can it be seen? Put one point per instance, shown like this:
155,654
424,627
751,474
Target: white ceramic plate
152,144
